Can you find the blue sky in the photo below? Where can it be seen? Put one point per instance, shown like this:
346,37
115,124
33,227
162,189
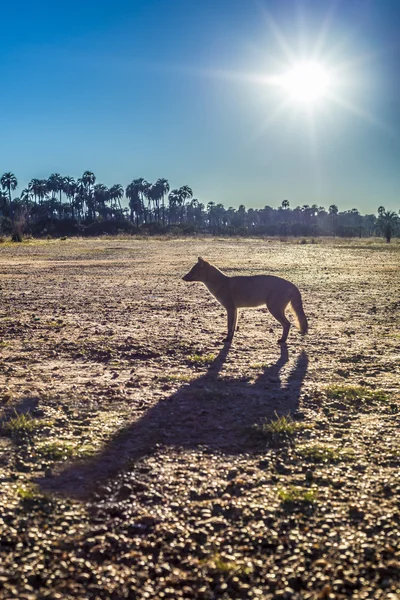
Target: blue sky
177,89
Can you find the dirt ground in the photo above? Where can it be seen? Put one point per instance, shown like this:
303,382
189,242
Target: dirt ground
141,457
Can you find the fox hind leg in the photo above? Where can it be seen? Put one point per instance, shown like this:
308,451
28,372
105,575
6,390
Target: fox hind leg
278,311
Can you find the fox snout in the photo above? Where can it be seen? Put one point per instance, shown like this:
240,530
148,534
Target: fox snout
187,277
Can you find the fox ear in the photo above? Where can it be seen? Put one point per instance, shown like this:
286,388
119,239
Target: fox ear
201,260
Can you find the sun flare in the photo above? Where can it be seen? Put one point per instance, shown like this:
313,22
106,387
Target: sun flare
306,83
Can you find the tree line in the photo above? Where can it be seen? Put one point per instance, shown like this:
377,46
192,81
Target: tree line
64,205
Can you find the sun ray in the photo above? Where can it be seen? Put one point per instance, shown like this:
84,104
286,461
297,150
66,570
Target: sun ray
360,113
279,36
326,26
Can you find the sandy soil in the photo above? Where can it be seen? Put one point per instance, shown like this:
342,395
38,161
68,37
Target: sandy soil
133,458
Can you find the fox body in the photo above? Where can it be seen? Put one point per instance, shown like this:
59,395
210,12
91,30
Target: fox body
251,291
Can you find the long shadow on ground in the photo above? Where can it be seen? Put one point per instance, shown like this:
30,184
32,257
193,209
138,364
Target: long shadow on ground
212,411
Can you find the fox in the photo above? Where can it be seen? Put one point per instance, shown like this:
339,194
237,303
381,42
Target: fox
251,291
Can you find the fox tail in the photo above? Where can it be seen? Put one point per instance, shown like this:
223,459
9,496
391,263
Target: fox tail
297,307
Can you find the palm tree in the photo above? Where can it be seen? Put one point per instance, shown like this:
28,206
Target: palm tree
141,186
146,192
26,196
9,182
173,198
381,210
41,189
285,204
184,193
3,203
241,213
33,186
387,223
100,199
333,216
134,192
161,189
116,192
78,200
152,194
55,185
88,180
69,189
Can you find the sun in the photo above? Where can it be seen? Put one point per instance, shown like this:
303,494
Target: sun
306,83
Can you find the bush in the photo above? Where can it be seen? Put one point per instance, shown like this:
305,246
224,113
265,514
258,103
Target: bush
112,227
56,228
154,228
6,226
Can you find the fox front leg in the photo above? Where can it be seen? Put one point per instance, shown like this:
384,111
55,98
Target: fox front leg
232,320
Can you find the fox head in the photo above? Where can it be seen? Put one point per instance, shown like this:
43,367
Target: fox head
198,272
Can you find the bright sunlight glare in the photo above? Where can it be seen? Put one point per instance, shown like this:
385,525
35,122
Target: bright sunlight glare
306,83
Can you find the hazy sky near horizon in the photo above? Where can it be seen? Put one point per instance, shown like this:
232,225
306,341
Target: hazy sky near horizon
181,89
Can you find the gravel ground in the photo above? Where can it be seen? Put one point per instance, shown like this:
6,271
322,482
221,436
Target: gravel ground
141,457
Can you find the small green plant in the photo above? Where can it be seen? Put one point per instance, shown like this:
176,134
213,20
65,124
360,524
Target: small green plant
297,495
322,453
22,423
281,425
31,497
179,377
26,494
227,567
201,359
56,450
280,428
349,393
359,397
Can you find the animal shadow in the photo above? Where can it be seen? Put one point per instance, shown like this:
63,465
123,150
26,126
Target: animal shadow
213,411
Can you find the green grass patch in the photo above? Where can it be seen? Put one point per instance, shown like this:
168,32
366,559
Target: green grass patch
223,566
23,424
59,451
176,377
30,498
56,450
297,495
280,428
322,453
26,493
201,359
358,397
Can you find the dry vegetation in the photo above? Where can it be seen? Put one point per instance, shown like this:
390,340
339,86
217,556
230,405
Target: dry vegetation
142,458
